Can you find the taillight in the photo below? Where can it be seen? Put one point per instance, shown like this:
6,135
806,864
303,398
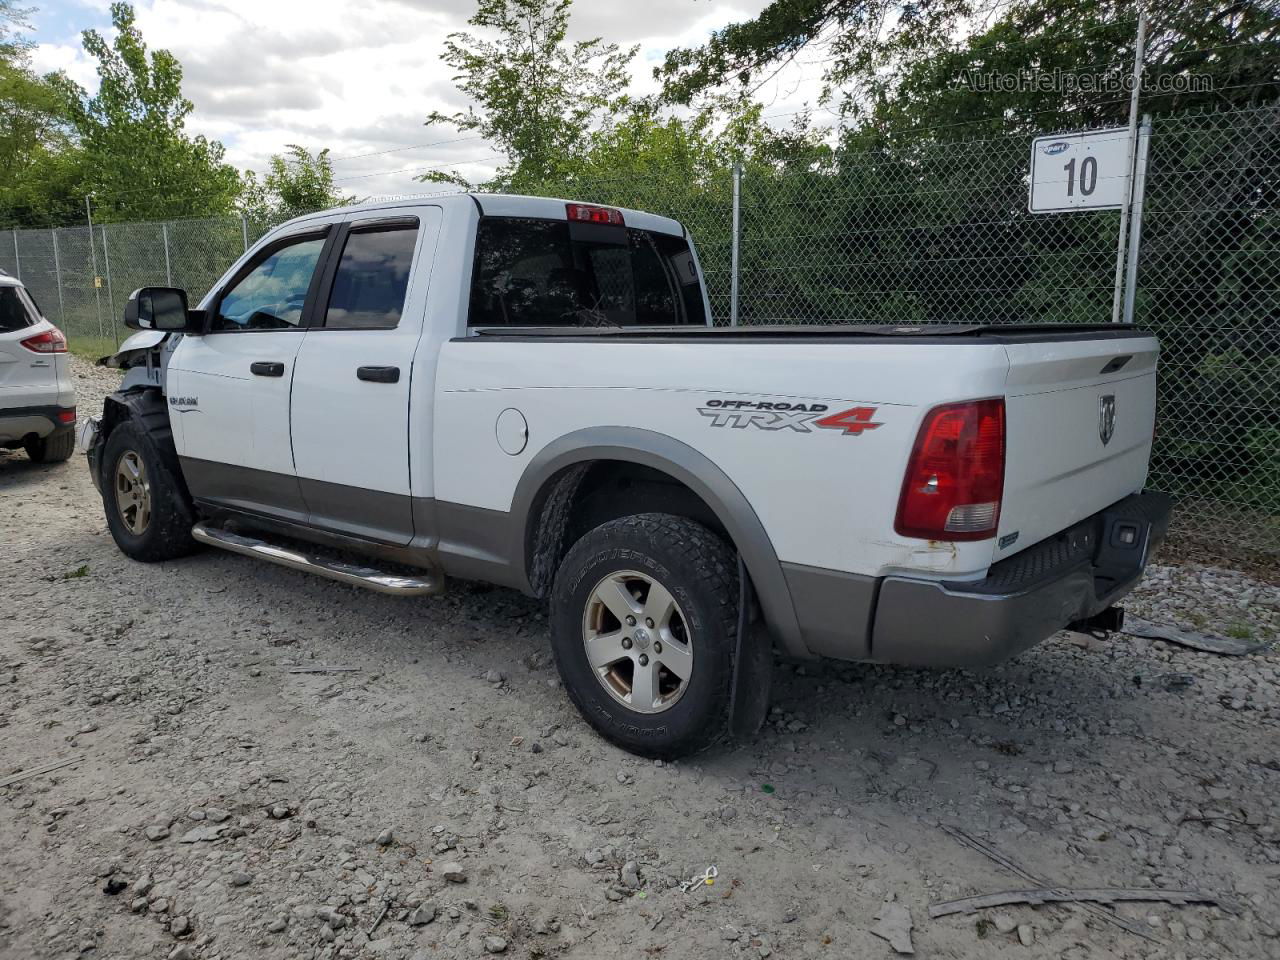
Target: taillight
955,477
67,416
51,341
586,213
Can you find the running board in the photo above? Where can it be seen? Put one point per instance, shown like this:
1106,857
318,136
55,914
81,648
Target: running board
367,577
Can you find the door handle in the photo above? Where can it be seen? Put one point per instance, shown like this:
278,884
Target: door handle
379,374
267,368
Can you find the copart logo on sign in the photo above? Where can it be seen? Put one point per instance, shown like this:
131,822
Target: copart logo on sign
799,417
1053,149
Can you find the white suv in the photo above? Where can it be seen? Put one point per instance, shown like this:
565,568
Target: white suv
37,397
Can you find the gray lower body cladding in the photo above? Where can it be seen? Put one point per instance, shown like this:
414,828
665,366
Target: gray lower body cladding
1022,601
18,423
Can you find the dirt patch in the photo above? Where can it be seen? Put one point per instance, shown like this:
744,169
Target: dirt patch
445,800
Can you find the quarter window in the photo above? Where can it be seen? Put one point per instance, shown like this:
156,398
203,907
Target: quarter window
372,277
16,311
272,295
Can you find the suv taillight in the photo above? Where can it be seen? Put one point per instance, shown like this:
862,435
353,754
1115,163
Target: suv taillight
955,477
51,341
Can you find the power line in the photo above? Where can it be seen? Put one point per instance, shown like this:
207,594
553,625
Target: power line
412,146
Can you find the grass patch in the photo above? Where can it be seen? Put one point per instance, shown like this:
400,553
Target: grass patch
91,348
1240,631
77,573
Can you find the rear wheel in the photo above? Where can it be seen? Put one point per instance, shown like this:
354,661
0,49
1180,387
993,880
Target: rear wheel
147,509
54,448
644,617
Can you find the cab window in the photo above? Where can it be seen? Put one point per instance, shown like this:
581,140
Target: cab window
271,296
542,273
372,278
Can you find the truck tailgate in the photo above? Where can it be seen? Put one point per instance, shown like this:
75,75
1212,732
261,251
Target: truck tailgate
1080,412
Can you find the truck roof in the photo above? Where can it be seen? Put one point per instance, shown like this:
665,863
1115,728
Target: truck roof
504,205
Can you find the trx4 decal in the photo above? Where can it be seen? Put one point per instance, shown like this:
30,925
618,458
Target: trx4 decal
800,417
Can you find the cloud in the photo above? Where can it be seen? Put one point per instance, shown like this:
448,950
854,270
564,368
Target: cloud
359,79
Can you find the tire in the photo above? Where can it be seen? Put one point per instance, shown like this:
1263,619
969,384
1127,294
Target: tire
166,534
699,572
55,448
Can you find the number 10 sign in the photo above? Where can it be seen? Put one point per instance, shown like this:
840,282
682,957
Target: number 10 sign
1080,171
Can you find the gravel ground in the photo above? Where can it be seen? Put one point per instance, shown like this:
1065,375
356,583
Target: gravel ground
443,799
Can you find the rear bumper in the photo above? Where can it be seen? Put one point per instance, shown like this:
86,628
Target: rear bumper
42,421
1023,600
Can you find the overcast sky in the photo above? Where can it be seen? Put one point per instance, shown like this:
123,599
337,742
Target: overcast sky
360,78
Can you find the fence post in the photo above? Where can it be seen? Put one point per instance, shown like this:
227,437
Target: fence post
244,231
1139,51
111,299
57,277
733,253
93,259
1135,225
168,272
17,258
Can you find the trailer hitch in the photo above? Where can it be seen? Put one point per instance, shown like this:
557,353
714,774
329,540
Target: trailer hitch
1108,621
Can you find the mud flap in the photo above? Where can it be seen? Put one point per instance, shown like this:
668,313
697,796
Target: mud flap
752,664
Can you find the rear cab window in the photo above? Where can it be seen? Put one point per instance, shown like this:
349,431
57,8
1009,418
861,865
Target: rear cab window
17,310
552,273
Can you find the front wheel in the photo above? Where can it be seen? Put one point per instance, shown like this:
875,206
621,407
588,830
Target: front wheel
147,509
644,615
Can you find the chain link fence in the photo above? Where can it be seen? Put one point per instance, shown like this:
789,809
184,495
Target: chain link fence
922,230
82,284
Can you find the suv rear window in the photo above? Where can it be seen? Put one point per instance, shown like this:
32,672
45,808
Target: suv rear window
550,273
16,310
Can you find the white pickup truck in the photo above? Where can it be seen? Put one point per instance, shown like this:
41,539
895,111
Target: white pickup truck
529,392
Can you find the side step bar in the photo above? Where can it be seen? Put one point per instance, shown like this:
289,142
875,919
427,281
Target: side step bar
395,584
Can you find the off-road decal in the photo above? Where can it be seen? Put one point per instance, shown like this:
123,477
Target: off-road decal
781,415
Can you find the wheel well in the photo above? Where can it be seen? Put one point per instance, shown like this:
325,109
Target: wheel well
584,496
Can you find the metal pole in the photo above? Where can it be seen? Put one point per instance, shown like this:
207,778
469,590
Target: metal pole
244,231
733,256
17,258
111,297
168,272
1135,226
93,259
57,276
1139,51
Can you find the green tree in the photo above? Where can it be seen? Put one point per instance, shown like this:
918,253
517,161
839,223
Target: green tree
903,63
297,182
40,167
140,161
536,95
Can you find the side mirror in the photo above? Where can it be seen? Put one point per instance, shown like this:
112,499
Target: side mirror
162,308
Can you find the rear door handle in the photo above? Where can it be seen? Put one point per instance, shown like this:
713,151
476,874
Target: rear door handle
267,368
379,374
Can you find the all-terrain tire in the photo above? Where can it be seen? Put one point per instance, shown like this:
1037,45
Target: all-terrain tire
167,534
54,448
700,571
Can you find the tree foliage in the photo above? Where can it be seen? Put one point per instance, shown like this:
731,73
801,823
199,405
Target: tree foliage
140,161
297,182
535,94
38,168
903,64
